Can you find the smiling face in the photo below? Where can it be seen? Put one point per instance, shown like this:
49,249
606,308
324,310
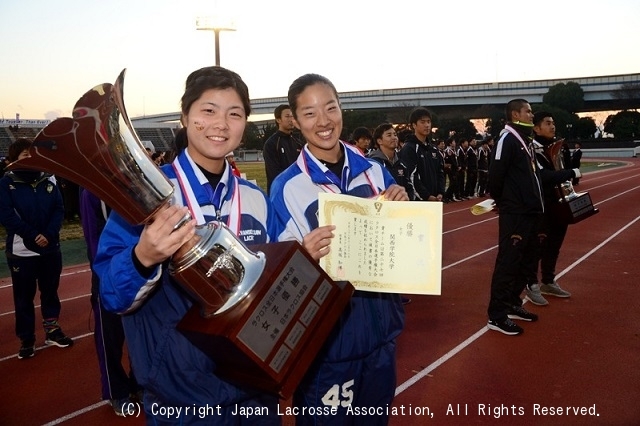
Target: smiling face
389,141
319,118
215,123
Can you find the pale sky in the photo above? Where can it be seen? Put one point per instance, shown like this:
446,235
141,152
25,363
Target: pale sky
55,51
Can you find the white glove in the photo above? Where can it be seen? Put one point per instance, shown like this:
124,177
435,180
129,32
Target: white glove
577,173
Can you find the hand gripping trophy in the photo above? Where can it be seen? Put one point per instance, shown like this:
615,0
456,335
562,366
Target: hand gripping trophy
236,289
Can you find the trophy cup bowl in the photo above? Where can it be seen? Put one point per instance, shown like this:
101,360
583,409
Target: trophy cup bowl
219,269
99,150
261,316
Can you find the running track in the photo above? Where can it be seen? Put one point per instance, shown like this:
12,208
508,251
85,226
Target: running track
583,352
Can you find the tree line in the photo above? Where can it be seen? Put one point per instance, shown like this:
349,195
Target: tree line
563,100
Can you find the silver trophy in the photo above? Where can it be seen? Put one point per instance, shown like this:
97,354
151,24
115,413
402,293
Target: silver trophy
99,150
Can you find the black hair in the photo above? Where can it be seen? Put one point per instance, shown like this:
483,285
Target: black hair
361,132
301,83
277,113
514,105
418,113
214,78
379,131
539,116
16,148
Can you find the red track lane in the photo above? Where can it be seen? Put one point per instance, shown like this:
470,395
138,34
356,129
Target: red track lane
583,352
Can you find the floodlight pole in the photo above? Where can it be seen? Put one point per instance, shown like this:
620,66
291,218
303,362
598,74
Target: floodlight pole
204,24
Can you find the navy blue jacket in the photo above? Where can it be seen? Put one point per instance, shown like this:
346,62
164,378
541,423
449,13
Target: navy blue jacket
30,204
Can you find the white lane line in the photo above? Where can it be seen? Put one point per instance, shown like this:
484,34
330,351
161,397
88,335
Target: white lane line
64,274
414,379
39,348
61,301
77,413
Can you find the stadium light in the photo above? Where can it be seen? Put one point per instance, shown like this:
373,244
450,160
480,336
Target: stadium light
213,23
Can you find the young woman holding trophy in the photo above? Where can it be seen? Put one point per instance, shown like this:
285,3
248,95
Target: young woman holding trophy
132,260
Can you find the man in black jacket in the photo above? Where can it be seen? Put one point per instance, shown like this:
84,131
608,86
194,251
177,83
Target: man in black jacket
425,167
282,148
514,183
552,229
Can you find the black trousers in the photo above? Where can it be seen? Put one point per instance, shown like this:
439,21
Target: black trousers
470,185
550,238
28,274
483,177
516,259
460,183
453,185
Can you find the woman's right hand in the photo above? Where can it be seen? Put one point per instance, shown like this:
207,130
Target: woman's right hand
160,240
317,241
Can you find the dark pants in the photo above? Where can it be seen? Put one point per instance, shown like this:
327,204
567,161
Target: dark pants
550,239
482,182
460,184
349,384
453,186
27,274
109,342
516,259
470,185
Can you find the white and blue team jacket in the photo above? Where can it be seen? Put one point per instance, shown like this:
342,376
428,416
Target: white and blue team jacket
166,364
372,319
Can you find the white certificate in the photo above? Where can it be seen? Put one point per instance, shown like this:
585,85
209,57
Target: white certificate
384,246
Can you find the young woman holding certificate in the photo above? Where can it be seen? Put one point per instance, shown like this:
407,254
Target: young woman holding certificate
355,369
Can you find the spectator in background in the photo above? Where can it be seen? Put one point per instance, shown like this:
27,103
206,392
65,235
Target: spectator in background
361,138
461,153
158,158
386,140
472,169
566,156
575,161
425,167
451,170
231,159
483,167
117,386
282,148
32,211
4,162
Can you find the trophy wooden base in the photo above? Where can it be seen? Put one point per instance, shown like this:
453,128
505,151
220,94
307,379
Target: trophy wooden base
270,338
575,210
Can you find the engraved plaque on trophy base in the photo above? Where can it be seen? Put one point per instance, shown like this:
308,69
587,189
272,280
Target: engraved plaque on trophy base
576,209
270,338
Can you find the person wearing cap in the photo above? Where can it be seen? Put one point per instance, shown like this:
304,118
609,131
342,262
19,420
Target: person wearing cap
552,230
